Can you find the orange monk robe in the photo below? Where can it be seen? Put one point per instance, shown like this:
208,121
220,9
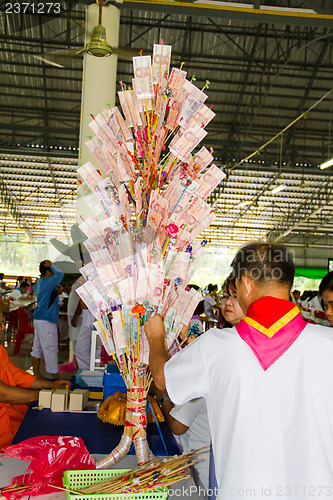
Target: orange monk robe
11,415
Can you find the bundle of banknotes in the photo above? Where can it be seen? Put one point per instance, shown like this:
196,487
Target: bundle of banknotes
147,205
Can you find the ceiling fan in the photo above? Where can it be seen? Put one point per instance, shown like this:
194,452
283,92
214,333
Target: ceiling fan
97,47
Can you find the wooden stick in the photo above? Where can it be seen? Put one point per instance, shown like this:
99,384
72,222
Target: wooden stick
78,492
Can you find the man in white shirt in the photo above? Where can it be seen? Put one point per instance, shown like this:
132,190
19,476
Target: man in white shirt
267,384
19,295
74,315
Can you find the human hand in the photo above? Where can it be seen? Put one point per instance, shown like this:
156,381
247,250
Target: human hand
154,328
61,384
74,322
47,263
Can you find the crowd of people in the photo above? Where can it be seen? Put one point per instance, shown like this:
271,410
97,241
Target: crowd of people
259,387
256,385
59,317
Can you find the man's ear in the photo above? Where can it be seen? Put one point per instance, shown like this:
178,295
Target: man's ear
249,286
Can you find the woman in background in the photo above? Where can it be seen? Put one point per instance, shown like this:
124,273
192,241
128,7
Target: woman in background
231,310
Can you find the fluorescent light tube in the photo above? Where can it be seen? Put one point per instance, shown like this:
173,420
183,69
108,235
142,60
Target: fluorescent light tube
326,164
278,189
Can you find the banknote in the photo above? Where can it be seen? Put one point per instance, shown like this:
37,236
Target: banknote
209,180
194,100
105,337
142,105
118,332
89,174
168,322
101,153
161,62
199,161
129,108
188,141
203,116
100,127
93,299
117,124
144,347
143,77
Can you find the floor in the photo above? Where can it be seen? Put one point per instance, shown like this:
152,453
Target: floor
23,358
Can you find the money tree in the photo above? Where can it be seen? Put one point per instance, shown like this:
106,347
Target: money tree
145,217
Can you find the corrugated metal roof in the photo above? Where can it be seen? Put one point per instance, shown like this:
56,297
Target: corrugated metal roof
262,76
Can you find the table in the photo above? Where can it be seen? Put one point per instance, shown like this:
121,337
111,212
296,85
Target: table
12,467
98,436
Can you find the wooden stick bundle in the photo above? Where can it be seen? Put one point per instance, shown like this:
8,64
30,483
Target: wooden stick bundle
148,476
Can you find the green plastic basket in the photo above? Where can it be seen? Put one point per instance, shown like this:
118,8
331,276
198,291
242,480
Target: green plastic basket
77,479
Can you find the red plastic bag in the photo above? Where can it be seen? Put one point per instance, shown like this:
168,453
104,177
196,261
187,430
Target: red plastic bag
50,456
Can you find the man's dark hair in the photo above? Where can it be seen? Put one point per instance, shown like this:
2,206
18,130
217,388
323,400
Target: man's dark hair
20,278
25,284
1,276
43,268
211,287
326,283
265,262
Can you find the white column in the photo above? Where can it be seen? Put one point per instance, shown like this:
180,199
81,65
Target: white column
99,82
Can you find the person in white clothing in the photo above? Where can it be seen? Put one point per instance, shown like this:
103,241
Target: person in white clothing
46,317
74,315
210,302
326,294
19,295
83,342
267,384
296,297
189,422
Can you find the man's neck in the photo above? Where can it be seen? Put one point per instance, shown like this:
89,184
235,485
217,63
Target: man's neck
272,291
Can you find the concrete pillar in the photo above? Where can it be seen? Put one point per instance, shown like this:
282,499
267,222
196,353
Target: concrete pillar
98,85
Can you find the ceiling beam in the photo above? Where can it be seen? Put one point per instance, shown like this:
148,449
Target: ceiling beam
11,205
308,89
229,10
310,207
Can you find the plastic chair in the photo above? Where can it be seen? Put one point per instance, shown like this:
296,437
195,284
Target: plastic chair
320,314
23,328
11,323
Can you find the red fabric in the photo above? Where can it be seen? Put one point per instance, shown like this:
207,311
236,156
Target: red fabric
266,349
268,310
105,357
11,415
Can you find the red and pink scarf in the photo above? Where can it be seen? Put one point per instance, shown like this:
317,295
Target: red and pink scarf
270,327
